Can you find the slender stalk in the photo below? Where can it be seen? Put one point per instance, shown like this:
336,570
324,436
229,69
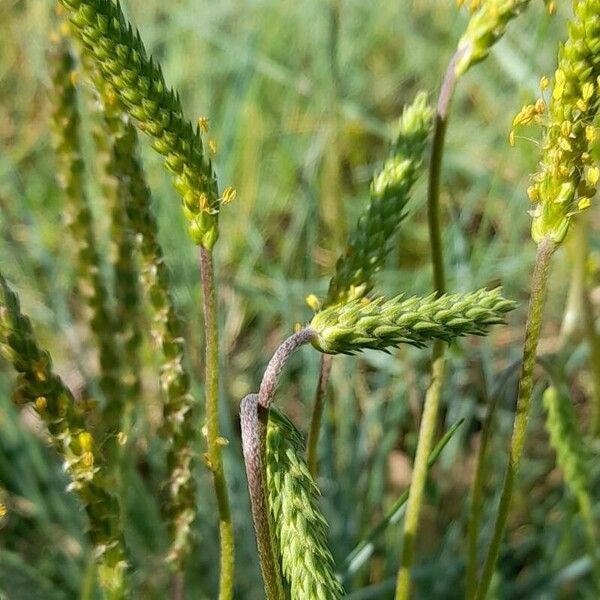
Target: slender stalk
432,398
253,419
417,486
478,481
215,458
532,333
317,414
277,363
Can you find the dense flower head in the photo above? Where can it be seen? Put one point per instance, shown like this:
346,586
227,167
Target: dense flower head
369,243
567,176
486,26
138,81
380,324
299,526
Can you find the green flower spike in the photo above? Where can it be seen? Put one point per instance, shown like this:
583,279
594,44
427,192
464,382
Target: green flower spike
65,127
567,178
369,243
137,80
486,26
37,384
380,324
300,528
166,329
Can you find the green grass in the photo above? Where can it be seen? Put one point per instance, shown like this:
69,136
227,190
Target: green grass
261,72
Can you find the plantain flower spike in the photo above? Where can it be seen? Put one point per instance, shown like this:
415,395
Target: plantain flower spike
486,26
369,243
138,82
380,324
299,526
38,385
567,177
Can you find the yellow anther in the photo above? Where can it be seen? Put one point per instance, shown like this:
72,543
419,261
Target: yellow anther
540,106
592,175
511,137
88,459
121,438
544,83
203,124
591,133
298,327
221,441
85,440
313,302
212,145
41,403
3,511
533,193
551,8
587,91
584,203
229,194
74,77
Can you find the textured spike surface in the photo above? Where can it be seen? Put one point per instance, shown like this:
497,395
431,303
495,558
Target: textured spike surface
369,243
300,528
37,384
138,81
380,324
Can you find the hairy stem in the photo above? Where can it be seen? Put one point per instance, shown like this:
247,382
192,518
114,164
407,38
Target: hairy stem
432,398
253,419
278,361
215,458
532,333
317,414
254,416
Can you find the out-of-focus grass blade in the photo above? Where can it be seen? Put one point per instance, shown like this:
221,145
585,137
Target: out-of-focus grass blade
363,551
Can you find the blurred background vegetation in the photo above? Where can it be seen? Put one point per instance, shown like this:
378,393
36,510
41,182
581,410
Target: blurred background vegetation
301,97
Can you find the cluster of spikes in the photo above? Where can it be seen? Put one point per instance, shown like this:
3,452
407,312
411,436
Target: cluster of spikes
348,322
131,86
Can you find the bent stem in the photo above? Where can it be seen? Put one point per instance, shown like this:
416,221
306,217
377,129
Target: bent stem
254,413
317,414
432,398
215,458
532,334
253,420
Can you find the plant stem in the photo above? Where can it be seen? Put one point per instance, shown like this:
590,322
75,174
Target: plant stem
254,413
215,458
432,398
278,361
478,481
317,414
417,486
253,419
532,333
